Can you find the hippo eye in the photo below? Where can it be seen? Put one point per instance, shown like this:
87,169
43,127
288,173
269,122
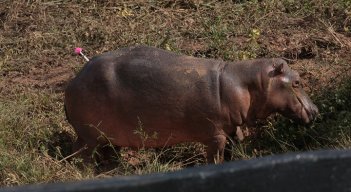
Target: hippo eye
296,83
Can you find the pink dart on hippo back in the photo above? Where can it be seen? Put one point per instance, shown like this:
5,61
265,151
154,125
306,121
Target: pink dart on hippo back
79,51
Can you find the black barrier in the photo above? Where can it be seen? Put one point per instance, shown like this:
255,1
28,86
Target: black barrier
311,171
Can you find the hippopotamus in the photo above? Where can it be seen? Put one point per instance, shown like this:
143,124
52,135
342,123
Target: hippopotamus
145,97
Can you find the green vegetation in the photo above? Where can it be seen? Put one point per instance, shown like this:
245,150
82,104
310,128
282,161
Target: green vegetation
37,38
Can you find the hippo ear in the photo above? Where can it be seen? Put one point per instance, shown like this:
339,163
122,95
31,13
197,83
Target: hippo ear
278,68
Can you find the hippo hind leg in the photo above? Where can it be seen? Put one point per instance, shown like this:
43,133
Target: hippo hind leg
108,152
215,149
82,149
94,152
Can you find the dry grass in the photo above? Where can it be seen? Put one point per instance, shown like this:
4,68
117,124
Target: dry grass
36,61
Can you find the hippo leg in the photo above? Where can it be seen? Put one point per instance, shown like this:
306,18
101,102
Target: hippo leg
95,152
215,149
108,152
239,133
242,132
82,149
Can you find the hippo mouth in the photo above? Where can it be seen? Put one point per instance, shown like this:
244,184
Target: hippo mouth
306,115
308,111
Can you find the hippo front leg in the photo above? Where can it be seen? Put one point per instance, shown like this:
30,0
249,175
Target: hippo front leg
215,149
239,133
242,132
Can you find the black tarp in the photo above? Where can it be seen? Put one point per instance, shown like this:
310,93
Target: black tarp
328,170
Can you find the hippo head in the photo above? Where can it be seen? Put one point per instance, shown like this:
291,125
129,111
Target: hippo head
286,94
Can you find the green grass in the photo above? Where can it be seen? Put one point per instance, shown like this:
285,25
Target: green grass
36,62
28,123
